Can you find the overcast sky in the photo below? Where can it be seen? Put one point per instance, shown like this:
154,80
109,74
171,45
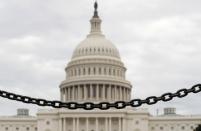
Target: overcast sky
159,42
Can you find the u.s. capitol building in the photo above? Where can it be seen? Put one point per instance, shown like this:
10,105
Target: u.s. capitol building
96,73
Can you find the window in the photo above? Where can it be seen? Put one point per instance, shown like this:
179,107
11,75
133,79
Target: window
84,71
89,71
47,122
27,128
182,127
94,70
109,71
105,71
100,71
114,73
161,128
79,72
75,72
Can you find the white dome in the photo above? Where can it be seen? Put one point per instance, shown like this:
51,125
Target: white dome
96,46
95,72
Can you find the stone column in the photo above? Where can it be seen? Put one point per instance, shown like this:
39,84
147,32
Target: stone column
78,93
110,124
119,123
124,124
126,96
73,92
74,124
87,124
109,92
121,93
85,91
64,124
106,124
97,92
61,94
78,122
91,91
103,92
66,94
96,124
115,93
60,124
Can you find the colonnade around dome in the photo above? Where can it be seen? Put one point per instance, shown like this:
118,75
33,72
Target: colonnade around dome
95,92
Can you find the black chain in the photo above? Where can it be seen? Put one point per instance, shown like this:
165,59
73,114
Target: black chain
102,105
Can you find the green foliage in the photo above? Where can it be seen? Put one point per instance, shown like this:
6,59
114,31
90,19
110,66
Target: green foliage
198,128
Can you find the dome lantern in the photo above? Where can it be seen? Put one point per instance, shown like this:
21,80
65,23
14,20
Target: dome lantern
95,21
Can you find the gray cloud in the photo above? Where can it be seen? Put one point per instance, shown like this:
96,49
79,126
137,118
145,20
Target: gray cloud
159,42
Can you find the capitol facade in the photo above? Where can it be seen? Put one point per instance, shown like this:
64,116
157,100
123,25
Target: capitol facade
96,74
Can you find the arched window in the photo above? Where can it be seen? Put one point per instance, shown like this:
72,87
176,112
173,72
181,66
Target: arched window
94,70
109,71
100,71
75,72
114,73
89,71
84,72
71,73
79,71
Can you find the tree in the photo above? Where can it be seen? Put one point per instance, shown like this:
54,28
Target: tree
198,128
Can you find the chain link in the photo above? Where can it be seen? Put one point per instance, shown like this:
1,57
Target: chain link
102,105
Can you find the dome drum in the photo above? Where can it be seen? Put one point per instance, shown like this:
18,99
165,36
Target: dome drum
96,92
95,70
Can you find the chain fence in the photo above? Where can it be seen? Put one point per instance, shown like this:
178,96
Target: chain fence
102,105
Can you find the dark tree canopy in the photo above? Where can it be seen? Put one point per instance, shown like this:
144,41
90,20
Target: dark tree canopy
198,128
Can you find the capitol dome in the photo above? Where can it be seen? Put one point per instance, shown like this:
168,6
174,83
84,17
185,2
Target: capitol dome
95,72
